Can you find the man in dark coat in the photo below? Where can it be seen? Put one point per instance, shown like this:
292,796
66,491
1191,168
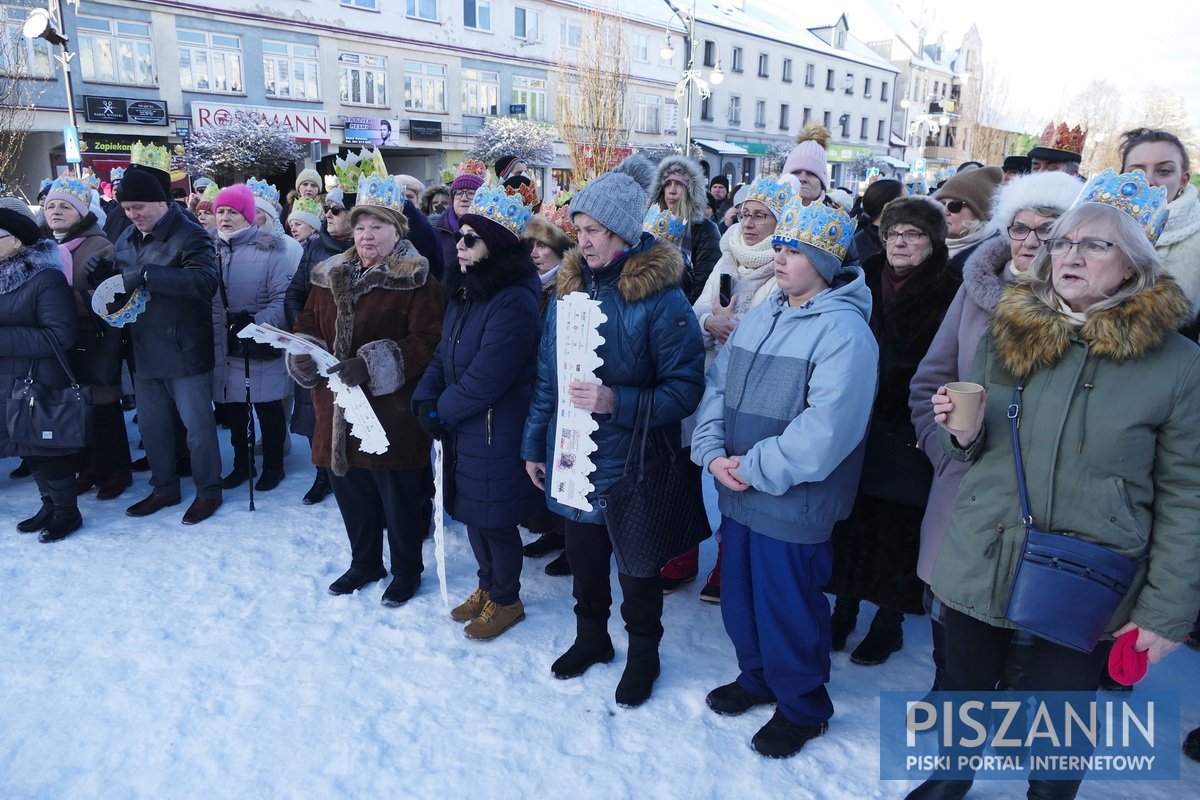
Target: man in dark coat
171,259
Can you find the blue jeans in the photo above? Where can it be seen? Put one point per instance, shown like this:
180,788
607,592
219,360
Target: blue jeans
192,399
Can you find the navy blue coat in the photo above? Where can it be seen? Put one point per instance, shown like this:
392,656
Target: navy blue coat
482,379
652,344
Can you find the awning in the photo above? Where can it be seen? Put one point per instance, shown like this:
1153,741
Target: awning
721,148
893,162
898,140
753,148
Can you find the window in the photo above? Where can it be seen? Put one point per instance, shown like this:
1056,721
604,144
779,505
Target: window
530,92
480,93
862,128
291,70
477,14
641,48
810,75
648,111
883,92
124,55
787,70
844,121
369,5
829,79
710,53
421,9
839,38
827,120
735,110
849,83
571,34
760,114
879,131
18,55
706,112
783,116
210,62
763,65
867,87
362,79
527,25
807,117
736,61
424,86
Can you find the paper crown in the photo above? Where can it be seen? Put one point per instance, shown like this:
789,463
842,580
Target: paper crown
663,224
510,210
308,205
381,190
116,174
107,292
210,193
473,167
264,190
560,217
89,177
150,155
77,188
771,192
816,225
364,163
1068,140
1132,195
46,184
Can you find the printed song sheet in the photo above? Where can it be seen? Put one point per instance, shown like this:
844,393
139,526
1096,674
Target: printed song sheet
579,319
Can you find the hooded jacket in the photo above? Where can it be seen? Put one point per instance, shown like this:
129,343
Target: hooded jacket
652,346
1109,436
481,379
791,393
701,238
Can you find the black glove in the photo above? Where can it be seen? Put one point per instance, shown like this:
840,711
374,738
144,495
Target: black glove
133,281
99,268
238,320
352,371
428,419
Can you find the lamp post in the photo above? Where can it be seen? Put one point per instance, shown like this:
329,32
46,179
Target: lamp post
934,122
691,76
47,24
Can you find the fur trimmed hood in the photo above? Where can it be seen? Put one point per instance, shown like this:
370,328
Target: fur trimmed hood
404,269
18,268
648,269
484,280
985,273
696,185
1030,335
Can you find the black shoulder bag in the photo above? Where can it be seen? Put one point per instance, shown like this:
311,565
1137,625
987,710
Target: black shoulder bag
55,419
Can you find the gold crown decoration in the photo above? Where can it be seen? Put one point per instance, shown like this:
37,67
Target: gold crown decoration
664,225
817,225
771,192
150,155
308,205
473,167
356,166
509,210
1132,195
383,191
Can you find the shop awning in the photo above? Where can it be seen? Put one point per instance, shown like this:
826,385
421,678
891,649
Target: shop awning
893,162
722,148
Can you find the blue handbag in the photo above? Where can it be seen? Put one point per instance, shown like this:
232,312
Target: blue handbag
1065,590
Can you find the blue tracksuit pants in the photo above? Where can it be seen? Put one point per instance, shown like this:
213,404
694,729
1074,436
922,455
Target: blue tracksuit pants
778,619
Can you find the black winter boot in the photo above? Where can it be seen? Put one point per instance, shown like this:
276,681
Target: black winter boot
41,519
933,789
641,668
319,490
1053,790
885,637
592,646
939,653
845,615
66,518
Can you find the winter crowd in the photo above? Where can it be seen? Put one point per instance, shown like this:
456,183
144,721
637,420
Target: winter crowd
899,402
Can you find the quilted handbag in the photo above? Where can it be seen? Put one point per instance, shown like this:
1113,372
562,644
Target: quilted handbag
1065,589
655,510
53,419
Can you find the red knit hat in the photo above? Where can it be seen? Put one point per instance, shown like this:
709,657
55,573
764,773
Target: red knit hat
239,198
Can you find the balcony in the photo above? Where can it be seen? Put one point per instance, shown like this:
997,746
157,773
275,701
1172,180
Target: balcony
940,153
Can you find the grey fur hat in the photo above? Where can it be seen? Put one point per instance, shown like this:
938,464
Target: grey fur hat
689,169
618,199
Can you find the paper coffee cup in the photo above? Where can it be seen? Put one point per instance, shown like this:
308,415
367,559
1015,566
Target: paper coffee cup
965,396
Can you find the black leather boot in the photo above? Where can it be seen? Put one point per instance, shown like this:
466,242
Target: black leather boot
641,669
66,518
885,637
845,615
592,646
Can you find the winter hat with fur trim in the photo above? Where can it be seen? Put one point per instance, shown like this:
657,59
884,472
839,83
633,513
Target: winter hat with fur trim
809,153
543,230
618,199
239,198
919,210
1044,190
976,188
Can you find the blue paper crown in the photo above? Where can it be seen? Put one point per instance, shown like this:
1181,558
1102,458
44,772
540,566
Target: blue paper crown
383,191
664,225
46,184
116,174
771,192
69,184
502,208
1132,195
264,190
816,225
89,178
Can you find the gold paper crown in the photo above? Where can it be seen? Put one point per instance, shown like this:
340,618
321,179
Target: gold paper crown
308,205
663,224
150,155
363,164
510,210
210,193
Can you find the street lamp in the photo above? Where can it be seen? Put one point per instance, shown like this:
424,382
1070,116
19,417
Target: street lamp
691,76
48,24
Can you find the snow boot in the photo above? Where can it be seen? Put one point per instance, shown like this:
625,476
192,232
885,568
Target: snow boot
544,545
680,570
731,700
592,646
885,637
845,616
41,519
66,518
319,490
782,738
559,567
641,669
711,593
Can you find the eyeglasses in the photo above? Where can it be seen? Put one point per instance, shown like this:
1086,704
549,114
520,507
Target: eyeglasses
1088,248
758,217
1019,232
954,206
909,237
468,239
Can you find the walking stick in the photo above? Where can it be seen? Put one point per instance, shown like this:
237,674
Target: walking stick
249,426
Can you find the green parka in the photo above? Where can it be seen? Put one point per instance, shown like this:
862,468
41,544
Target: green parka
1110,434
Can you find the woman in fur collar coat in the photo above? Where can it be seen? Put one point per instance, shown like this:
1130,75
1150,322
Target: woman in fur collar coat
1109,430
679,188
475,396
377,308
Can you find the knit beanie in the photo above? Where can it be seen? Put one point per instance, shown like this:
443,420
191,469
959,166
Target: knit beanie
409,182
918,210
309,175
721,179
75,200
16,218
337,197
498,238
239,198
264,205
505,164
809,154
618,199
465,181
975,187
144,185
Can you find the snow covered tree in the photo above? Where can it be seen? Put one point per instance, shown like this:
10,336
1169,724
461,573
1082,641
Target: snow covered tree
247,144
506,136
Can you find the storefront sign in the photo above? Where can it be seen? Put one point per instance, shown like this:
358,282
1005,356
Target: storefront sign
307,126
124,110
424,130
367,130
671,118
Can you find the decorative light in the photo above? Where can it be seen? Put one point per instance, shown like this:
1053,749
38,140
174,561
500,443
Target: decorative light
905,103
717,77
668,51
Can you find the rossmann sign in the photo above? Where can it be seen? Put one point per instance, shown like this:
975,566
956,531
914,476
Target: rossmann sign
308,126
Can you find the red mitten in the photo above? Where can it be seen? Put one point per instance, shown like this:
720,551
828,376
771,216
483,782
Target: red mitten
1126,665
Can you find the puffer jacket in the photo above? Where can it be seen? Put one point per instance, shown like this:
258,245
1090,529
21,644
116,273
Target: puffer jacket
173,337
1109,434
652,346
255,274
481,379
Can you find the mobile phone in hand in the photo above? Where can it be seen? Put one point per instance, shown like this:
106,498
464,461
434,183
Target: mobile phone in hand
725,292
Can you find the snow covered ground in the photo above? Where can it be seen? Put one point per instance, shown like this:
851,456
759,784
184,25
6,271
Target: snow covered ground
141,658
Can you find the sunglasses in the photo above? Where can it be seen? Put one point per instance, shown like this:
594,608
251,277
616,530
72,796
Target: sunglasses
954,206
468,239
337,212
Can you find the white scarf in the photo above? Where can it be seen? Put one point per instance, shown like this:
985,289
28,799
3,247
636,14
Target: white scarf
754,265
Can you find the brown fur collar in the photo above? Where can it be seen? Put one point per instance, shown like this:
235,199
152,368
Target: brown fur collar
1030,335
645,272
